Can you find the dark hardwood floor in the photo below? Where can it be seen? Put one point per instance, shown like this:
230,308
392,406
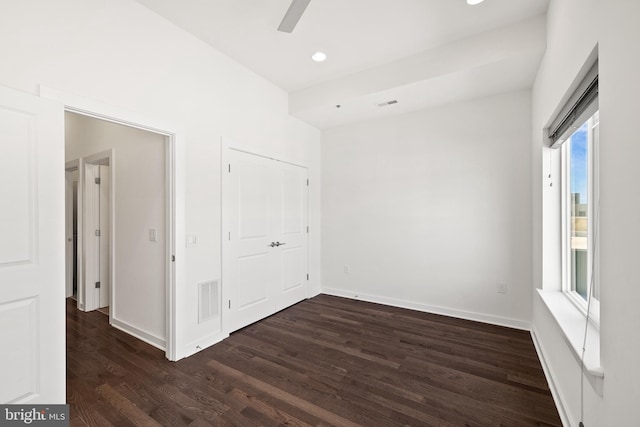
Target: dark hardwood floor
325,361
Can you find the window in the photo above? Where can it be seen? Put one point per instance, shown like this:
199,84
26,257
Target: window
580,195
575,131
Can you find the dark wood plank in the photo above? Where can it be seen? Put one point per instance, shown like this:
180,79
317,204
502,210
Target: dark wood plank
325,361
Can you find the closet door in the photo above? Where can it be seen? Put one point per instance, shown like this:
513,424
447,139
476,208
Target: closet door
32,248
290,227
265,260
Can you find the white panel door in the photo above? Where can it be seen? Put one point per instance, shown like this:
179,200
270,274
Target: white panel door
32,250
105,242
290,229
97,231
91,256
266,269
69,244
250,274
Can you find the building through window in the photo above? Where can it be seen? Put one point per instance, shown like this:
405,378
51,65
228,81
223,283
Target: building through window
579,153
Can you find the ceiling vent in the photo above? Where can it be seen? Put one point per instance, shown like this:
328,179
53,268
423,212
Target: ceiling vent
384,104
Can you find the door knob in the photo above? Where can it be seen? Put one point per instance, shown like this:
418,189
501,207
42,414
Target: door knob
273,244
280,244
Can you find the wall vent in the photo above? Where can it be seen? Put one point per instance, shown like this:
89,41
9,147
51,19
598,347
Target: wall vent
384,104
208,301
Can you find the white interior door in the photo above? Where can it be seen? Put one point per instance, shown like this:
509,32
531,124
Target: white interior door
72,221
32,250
105,232
290,230
266,269
69,244
96,245
91,255
251,280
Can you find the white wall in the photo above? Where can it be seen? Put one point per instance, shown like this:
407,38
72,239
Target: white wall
432,209
575,28
138,166
121,54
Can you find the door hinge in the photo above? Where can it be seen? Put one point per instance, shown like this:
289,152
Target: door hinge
173,258
229,235
307,182
97,233
229,304
97,180
307,229
97,285
307,276
229,167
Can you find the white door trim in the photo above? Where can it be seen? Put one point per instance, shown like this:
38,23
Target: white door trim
175,187
226,146
229,146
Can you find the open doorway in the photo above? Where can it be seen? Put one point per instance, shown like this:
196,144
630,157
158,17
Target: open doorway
174,154
122,222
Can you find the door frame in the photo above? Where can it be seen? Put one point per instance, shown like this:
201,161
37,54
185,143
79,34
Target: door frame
226,146
175,191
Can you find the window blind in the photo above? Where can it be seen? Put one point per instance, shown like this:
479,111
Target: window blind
582,104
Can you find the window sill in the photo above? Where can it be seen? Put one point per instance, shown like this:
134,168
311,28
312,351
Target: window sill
571,322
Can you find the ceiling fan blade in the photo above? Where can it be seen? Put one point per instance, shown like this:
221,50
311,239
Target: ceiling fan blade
293,15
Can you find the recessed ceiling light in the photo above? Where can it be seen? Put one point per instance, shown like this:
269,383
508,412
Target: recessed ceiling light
474,2
319,56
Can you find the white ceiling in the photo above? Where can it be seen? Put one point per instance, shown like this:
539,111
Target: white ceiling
423,53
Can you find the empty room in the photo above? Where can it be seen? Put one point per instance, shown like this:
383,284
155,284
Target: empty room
319,212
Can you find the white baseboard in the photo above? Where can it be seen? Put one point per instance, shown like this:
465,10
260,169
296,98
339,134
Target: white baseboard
467,315
555,393
314,293
200,344
139,333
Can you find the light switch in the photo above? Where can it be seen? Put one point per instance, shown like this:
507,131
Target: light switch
192,240
153,235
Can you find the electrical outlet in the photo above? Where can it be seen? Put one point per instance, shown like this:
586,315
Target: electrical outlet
153,235
502,288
